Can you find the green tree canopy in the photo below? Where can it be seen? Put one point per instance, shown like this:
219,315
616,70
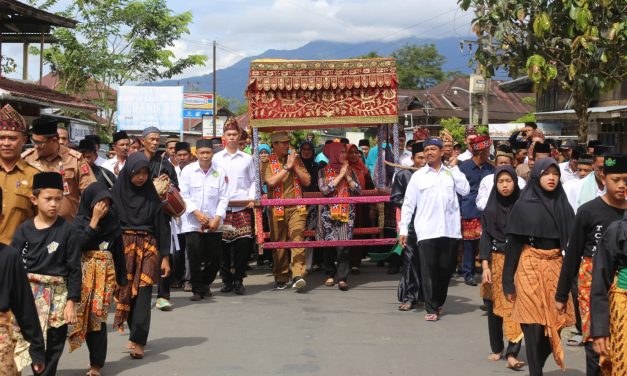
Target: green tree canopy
580,44
419,67
117,42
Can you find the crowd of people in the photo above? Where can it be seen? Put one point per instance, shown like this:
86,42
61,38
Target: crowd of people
82,235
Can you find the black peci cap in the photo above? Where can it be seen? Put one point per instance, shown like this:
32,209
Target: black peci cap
615,164
45,126
417,147
44,180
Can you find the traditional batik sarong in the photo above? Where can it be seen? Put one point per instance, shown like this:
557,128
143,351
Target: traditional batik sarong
536,282
50,293
471,229
7,361
243,223
615,364
96,293
142,266
502,306
584,283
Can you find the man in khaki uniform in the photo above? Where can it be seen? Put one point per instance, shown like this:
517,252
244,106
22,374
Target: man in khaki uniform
286,176
16,175
48,155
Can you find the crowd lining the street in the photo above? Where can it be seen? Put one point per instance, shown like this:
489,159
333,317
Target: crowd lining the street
82,235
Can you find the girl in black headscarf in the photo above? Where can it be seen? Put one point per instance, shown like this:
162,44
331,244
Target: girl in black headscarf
100,240
491,251
537,232
146,236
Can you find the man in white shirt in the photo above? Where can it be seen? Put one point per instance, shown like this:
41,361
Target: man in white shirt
121,144
568,169
170,149
470,134
432,193
504,157
205,191
237,244
589,186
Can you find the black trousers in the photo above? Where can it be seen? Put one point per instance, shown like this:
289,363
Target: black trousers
437,263
55,343
538,347
343,257
410,287
163,288
205,258
495,331
592,361
178,272
235,255
97,345
139,316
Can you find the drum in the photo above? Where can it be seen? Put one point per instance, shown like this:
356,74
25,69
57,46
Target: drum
172,202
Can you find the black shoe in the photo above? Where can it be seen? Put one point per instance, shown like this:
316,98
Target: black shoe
238,287
226,288
280,285
196,297
299,283
470,281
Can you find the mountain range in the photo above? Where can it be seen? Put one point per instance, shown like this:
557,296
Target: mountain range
231,82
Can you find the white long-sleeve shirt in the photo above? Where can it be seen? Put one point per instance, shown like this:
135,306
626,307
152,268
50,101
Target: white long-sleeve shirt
485,187
433,196
110,164
240,173
205,191
566,174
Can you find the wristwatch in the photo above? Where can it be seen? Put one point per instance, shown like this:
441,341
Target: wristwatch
285,167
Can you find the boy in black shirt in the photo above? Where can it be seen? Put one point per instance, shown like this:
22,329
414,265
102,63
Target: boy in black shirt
16,303
52,259
591,221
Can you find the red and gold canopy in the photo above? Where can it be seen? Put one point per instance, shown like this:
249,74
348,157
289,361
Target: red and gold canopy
289,94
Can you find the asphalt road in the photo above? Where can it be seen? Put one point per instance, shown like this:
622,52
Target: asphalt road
323,331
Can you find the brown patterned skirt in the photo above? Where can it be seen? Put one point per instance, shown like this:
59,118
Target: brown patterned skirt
502,306
615,364
243,223
536,282
142,266
7,362
96,293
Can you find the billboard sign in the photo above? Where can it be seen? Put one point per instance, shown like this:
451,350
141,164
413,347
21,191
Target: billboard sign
140,107
197,105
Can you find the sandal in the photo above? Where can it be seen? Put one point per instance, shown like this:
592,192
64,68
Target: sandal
575,340
92,373
440,311
330,282
342,285
355,270
431,317
407,306
137,355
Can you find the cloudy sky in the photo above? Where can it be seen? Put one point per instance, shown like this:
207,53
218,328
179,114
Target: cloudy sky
249,27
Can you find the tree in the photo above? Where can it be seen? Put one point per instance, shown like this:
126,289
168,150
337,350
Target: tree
418,67
117,42
370,55
580,44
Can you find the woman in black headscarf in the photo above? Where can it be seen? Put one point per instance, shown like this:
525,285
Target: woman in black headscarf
491,251
537,232
146,237
307,155
100,240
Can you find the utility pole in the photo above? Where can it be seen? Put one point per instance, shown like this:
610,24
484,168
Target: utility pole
215,99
